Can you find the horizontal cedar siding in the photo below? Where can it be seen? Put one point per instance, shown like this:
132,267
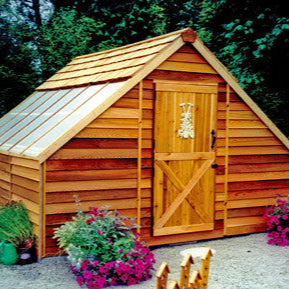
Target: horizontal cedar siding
4,178
19,181
258,162
258,167
100,165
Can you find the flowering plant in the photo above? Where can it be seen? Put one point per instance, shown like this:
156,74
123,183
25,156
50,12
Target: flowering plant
103,250
277,217
131,268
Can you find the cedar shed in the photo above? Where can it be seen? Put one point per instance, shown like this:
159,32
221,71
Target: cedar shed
159,130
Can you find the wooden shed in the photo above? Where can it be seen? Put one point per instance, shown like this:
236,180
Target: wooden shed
159,130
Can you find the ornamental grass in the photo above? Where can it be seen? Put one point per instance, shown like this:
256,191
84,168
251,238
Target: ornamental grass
15,225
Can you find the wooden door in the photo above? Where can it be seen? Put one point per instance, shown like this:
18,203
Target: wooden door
184,179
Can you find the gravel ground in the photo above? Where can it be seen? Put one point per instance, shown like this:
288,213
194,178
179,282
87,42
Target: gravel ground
245,262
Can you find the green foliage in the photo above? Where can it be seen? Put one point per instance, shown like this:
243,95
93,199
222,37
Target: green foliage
15,226
65,36
99,234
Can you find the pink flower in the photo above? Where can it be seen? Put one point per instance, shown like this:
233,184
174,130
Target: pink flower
99,232
87,274
284,217
79,280
85,264
89,221
94,263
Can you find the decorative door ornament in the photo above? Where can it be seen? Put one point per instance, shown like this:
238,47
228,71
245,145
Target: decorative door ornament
186,129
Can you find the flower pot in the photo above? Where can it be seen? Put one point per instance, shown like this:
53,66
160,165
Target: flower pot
27,255
8,253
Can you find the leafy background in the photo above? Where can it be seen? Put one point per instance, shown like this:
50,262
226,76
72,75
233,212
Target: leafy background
251,37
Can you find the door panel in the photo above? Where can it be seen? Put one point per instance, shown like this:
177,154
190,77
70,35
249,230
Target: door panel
183,177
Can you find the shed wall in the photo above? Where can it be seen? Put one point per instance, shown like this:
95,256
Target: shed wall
20,181
100,163
100,166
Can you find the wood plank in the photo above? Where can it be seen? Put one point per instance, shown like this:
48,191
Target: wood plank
30,206
237,186
25,193
4,167
265,150
58,219
186,87
112,133
254,176
184,156
252,203
95,195
95,175
4,158
4,193
250,141
133,103
246,212
258,159
5,176
245,132
5,185
77,143
116,112
64,208
25,172
244,221
253,194
187,57
234,106
255,168
241,124
120,123
26,183
186,76
173,230
92,164
238,114
33,164
99,153
186,67
93,184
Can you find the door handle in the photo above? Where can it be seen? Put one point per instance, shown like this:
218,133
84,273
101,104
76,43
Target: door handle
213,138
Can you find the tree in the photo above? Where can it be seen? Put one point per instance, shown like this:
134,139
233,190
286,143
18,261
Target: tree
252,39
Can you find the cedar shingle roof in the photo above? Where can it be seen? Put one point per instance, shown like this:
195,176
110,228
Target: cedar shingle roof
114,64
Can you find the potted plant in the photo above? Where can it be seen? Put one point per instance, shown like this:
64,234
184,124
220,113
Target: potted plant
17,229
103,250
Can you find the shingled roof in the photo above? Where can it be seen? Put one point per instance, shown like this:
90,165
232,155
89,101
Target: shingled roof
78,93
115,64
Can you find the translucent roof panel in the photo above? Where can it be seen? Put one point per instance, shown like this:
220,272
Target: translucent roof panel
43,119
